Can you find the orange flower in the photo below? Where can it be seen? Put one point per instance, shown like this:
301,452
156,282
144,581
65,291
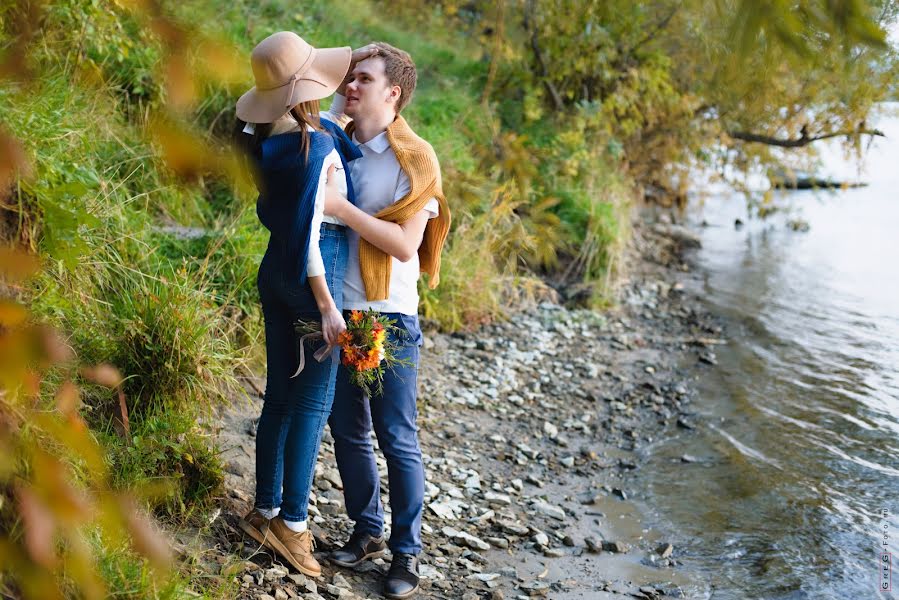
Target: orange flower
345,338
356,316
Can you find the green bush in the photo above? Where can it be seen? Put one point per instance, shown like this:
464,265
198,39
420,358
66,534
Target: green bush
172,459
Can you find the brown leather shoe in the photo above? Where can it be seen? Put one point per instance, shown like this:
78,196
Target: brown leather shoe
295,547
252,523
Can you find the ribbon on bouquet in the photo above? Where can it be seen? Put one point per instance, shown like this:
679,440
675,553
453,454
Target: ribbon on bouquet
320,354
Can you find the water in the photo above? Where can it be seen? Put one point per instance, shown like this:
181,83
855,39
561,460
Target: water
800,455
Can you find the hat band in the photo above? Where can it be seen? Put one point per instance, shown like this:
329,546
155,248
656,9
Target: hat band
292,81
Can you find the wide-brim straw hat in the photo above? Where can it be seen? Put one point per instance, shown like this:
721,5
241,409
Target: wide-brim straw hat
288,71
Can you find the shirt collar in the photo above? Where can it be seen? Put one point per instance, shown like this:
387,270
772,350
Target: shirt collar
377,144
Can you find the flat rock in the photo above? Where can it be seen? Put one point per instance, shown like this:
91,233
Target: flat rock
549,510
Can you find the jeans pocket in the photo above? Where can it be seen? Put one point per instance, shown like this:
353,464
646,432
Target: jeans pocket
411,330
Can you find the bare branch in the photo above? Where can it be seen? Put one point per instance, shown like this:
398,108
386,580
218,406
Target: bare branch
802,140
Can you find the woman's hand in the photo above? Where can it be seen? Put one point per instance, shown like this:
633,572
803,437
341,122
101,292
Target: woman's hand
335,202
332,325
359,54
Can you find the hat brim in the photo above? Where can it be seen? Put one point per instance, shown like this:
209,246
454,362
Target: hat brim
320,80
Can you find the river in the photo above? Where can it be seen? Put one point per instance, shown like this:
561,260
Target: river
794,490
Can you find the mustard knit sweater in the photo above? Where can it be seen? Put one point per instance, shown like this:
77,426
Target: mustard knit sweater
419,162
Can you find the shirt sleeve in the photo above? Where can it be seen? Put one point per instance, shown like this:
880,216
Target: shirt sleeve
403,186
335,112
315,266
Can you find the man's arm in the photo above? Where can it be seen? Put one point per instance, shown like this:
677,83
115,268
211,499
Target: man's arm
399,241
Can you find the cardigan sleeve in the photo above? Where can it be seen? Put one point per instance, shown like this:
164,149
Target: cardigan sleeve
404,186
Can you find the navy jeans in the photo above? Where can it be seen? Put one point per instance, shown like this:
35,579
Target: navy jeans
295,410
393,416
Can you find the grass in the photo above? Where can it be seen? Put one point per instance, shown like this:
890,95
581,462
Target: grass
179,315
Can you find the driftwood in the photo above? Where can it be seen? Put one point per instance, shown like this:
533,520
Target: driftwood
804,181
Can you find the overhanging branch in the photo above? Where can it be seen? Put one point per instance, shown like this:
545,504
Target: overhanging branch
803,140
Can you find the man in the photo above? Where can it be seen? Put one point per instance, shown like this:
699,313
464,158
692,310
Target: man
398,227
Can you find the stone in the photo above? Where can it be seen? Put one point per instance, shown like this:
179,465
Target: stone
511,572
333,476
466,538
553,552
567,461
514,528
275,573
485,577
535,588
280,594
534,481
616,547
444,510
549,510
550,430
429,572
665,550
541,539
496,498
593,545
264,597
498,542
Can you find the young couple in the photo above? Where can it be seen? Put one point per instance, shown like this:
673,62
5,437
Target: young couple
353,202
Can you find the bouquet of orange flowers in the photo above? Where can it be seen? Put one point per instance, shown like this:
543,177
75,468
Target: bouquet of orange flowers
365,347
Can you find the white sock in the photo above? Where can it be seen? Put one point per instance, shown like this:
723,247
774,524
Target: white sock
296,526
269,513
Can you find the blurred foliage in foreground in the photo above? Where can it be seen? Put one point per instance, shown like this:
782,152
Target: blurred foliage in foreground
551,120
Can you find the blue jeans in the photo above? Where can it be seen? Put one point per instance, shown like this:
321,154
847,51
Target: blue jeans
393,416
295,410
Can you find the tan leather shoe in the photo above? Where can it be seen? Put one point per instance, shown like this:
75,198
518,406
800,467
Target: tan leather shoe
252,523
295,547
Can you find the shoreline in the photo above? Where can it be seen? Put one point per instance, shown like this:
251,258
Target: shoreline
531,432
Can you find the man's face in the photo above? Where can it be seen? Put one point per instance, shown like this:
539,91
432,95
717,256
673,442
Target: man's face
369,92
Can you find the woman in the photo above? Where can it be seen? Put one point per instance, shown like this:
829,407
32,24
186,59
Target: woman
301,275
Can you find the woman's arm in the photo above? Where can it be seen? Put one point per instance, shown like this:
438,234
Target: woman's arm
332,320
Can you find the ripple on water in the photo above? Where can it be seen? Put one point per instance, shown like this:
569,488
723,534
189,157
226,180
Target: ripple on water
803,407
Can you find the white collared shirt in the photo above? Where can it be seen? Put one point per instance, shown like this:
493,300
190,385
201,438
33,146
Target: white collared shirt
378,182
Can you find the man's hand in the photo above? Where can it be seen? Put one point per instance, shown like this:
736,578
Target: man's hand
334,199
359,54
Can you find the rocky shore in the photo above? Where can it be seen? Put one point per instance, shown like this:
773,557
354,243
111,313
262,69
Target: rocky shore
531,431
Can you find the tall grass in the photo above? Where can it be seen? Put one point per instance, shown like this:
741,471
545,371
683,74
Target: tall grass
159,278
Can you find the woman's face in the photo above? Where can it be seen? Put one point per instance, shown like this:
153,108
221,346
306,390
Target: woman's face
369,92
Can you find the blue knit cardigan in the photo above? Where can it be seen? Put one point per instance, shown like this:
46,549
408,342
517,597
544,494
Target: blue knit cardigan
288,183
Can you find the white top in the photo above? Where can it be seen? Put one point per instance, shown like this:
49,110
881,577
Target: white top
315,266
378,182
